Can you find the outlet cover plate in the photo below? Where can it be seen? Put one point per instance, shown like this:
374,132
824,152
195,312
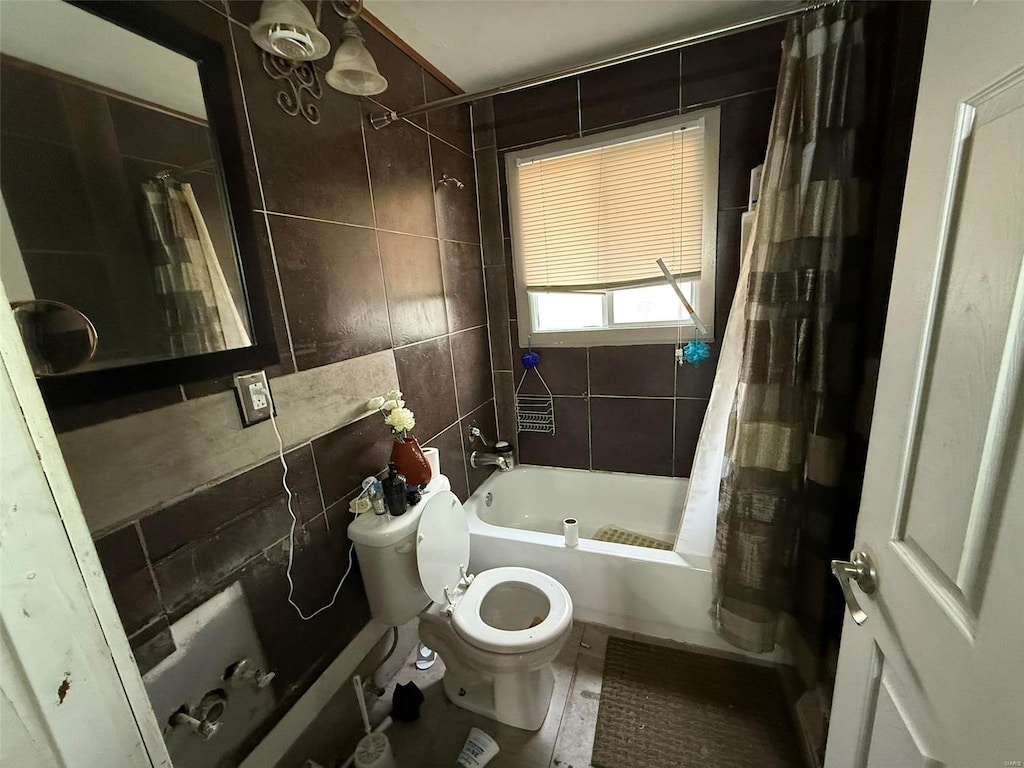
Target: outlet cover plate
252,392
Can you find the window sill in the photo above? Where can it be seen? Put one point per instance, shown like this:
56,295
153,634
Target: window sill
607,337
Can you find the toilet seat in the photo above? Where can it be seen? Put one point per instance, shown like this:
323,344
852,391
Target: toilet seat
442,546
472,628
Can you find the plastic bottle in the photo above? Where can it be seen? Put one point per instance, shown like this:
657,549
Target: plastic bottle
394,491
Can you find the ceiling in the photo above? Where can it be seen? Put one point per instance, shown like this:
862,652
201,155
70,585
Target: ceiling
480,44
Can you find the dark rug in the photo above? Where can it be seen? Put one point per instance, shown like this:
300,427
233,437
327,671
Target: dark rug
668,708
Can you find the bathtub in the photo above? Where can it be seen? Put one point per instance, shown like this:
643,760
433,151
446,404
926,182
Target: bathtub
515,518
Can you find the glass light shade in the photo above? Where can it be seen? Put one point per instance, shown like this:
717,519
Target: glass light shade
286,28
354,69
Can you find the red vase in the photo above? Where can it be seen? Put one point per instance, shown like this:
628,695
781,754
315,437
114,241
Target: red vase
410,461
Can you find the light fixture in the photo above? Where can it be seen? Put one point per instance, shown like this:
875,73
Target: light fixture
286,28
354,71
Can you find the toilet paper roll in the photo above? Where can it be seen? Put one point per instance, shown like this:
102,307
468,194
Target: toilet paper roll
571,527
434,460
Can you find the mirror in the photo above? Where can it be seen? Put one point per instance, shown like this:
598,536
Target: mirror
114,196
58,338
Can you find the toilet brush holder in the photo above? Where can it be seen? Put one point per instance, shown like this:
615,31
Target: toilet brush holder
374,751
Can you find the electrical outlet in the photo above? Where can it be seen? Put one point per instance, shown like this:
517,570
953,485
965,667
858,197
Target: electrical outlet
254,399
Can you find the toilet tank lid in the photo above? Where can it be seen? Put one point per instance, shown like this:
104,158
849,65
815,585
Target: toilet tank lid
373,530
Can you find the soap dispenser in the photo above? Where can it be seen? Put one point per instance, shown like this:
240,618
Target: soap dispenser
394,491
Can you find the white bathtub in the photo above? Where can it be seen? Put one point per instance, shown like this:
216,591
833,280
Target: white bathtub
515,518
539,498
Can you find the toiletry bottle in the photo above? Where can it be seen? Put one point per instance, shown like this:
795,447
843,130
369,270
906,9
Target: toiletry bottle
394,491
377,498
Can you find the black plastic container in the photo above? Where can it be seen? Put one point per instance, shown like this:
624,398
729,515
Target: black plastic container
394,491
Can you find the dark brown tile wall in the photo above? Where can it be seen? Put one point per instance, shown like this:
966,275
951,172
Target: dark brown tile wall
624,408
369,255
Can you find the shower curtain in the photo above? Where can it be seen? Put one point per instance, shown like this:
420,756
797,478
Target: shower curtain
797,331
199,313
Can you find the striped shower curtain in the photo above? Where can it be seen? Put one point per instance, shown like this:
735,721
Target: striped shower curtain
199,314
796,394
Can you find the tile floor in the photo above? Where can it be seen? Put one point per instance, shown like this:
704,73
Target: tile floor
564,741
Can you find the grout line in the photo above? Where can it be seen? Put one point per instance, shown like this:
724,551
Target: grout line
675,403
638,397
280,293
675,428
216,5
282,214
441,336
579,107
362,226
149,563
568,696
483,275
319,485
679,90
437,225
376,234
245,110
590,429
263,198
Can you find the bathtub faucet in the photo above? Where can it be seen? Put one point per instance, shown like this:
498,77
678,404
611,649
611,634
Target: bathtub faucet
503,458
504,462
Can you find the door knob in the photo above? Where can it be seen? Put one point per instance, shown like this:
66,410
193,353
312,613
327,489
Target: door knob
860,569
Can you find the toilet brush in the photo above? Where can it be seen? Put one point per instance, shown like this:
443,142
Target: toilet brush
374,749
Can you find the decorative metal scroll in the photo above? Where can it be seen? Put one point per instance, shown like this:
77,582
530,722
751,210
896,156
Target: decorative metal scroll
303,86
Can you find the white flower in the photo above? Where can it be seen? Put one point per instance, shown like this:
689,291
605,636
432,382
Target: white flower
393,394
390,405
400,420
375,403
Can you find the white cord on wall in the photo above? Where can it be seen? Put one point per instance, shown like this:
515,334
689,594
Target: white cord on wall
291,532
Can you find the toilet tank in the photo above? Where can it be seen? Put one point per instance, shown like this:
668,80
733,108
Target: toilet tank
386,549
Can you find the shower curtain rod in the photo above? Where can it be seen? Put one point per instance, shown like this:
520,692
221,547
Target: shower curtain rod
381,119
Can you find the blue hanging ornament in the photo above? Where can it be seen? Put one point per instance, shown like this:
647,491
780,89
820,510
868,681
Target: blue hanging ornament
696,352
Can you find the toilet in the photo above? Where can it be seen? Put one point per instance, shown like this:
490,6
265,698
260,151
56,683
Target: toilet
497,632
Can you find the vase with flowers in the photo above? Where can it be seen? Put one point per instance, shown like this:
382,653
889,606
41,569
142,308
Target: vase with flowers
406,452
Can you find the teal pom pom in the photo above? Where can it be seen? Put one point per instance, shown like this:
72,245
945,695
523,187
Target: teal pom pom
696,352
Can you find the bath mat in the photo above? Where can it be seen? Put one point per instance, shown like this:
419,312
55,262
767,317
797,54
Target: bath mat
669,708
619,535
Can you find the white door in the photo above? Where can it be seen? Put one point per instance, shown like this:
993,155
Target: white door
935,674
70,693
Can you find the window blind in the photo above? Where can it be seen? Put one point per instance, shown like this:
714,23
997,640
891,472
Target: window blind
601,217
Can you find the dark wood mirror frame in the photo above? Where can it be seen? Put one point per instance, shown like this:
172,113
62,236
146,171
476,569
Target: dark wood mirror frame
147,20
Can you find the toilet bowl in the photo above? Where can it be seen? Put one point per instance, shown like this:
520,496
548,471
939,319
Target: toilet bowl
497,632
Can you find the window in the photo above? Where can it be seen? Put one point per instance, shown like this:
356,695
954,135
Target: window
590,218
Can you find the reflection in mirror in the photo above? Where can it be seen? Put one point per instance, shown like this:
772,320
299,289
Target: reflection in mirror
112,194
58,338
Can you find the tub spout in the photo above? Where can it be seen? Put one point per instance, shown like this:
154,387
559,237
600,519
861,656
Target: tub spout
503,462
